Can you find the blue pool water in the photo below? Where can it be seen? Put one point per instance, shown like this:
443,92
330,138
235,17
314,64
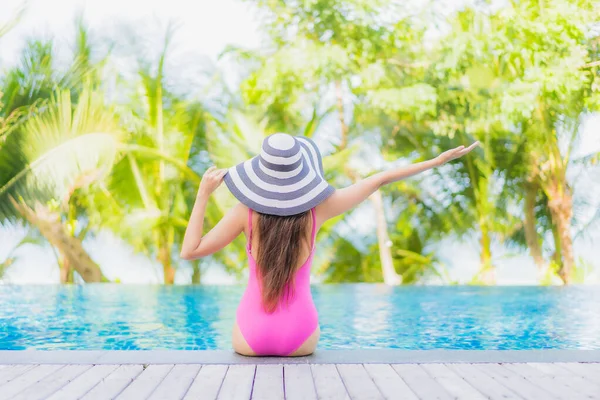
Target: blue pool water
119,317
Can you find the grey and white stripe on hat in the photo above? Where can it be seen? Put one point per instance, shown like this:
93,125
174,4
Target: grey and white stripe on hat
285,179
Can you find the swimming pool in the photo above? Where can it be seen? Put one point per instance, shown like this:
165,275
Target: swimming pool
121,317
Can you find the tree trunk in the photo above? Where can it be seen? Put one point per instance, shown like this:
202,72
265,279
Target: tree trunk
196,273
487,272
531,236
66,272
70,248
164,257
390,277
560,203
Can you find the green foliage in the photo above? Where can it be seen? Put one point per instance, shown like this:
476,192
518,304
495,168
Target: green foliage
59,149
384,84
349,264
418,100
149,195
582,271
37,75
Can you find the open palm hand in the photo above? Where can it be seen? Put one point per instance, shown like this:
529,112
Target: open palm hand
455,153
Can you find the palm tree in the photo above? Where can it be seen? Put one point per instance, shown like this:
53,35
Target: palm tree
417,223
151,188
547,179
546,110
37,75
30,88
59,149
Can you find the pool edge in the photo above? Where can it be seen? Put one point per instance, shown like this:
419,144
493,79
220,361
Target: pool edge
358,356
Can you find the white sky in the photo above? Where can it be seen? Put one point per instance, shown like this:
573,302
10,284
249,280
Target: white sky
205,27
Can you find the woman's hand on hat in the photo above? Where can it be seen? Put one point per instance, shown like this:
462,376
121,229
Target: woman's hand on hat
211,180
455,153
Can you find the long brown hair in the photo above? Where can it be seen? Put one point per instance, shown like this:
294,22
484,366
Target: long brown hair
280,242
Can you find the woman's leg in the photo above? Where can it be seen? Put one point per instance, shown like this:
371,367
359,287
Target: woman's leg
240,345
309,346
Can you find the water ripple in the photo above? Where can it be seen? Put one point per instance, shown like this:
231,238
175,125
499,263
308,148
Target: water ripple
121,317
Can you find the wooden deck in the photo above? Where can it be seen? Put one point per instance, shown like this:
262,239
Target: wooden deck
539,381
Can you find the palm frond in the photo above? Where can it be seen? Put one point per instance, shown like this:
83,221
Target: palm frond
589,160
13,20
60,149
33,79
31,237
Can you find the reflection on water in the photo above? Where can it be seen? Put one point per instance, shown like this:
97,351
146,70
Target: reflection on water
351,316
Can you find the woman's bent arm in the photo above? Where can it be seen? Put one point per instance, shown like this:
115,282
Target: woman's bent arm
193,232
345,199
229,227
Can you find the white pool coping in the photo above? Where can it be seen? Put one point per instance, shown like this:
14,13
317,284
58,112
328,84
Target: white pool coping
359,356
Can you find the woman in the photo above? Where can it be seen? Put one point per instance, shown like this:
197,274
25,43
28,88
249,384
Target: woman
284,199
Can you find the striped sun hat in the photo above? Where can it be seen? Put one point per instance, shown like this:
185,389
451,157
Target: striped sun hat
285,179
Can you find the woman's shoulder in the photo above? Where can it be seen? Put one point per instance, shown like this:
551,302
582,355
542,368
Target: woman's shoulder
238,213
241,213
324,210
240,210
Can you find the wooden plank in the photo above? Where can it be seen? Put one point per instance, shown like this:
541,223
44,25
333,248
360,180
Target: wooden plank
207,383
358,382
52,382
569,378
525,370
176,383
483,383
298,382
30,377
420,382
579,385
549,383
114,383
520,385
587,371
83,383
146,382
578,377
13,371
389,382
596,366
455,385
268,382
328,382
238,382
552,369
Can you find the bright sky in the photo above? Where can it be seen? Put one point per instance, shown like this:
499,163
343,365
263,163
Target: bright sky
205,28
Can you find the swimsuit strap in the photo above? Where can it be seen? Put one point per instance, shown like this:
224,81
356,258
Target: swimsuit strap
313,234
250,229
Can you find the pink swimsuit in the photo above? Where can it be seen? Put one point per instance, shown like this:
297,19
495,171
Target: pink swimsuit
285,330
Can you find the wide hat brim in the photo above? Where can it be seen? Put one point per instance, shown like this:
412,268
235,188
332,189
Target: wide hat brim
265,186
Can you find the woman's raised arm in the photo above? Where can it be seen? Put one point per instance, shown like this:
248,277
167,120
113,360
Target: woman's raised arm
228,228
343,200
